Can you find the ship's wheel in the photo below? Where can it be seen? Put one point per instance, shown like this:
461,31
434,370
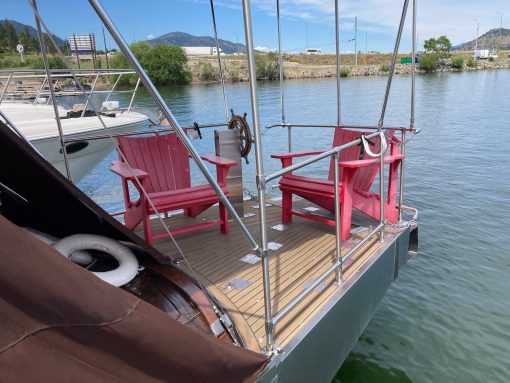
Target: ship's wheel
245,138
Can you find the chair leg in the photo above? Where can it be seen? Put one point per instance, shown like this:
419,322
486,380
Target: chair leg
147,229
286,207
223,218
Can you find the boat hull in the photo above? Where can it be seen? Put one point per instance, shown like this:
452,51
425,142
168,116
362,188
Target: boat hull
325,341
89,155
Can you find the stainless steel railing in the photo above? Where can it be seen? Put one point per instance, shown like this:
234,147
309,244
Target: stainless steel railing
337,267
20,93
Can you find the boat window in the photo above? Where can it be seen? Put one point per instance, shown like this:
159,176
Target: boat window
75,147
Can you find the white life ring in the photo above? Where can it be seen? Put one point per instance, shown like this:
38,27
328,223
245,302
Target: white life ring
128,264
82,258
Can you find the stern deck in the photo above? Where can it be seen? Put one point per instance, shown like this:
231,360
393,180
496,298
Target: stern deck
308,250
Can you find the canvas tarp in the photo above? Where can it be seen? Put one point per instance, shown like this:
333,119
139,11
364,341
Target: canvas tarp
60,323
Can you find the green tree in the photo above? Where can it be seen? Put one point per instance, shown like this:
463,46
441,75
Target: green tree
11,36
428,62
441,46
166,65
24,38
3,38
267,66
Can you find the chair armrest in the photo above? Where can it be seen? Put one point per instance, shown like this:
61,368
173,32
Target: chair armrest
120,168
371,162
219,161
296,154
223,165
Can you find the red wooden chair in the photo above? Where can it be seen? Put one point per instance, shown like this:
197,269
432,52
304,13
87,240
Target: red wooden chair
161,163
357,175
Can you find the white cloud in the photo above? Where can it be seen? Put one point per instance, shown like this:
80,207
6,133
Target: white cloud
150,36
264,49
452,18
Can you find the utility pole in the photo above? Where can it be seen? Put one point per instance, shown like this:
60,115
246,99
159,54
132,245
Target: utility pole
366,42
306,30
500,26
477,28
356,40
105,51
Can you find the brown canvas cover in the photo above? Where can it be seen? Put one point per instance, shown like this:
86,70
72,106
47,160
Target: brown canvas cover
60,323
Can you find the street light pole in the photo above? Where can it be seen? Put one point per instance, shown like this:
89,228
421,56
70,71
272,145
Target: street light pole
500,25
477,28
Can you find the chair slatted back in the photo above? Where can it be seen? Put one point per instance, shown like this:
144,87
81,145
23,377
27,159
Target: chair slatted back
365,176
163,157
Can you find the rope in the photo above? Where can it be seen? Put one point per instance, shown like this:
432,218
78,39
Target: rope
222,78
384,145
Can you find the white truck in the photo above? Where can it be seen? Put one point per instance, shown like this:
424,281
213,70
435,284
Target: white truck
481,53
201,51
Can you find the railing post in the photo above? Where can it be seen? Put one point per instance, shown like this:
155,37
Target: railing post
40,89
134,94
52,91
381,188
259,165
90,94
338,274
4,92
114,86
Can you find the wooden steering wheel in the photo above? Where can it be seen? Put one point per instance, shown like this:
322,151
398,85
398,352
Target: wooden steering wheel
240,123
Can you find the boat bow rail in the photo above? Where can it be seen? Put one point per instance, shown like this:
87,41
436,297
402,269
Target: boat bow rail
271,316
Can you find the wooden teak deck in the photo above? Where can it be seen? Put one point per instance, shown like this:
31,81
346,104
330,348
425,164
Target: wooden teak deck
307,251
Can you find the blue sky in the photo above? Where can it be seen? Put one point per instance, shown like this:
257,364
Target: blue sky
377,20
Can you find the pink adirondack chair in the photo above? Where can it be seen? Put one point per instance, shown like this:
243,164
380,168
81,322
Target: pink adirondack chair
161,163
357,175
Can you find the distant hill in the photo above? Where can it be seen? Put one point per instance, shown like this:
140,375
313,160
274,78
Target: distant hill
186,40
489,40
18,27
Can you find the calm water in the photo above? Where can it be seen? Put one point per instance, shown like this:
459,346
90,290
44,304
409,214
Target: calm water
447,318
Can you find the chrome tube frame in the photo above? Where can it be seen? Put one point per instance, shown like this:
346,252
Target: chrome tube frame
338,240
337,52
114,86
134,94
90,94
411,122
139,132
40,89
282,86
263,250
384,106
4,92
156,96
52,91
316,158
341,126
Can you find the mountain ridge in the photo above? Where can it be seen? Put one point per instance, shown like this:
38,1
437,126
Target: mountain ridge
18,27
489,40
183,39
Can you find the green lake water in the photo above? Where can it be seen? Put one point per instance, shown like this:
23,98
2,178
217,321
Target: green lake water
447,318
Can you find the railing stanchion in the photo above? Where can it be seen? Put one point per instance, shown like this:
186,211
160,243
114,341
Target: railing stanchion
52,90
338,274
114,86
259,165
40,90
401,181
90,94
4,92
381,188
134,94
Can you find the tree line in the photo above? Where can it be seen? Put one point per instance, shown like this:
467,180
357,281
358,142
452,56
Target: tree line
9,39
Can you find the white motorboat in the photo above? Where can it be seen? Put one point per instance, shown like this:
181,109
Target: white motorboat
37,122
